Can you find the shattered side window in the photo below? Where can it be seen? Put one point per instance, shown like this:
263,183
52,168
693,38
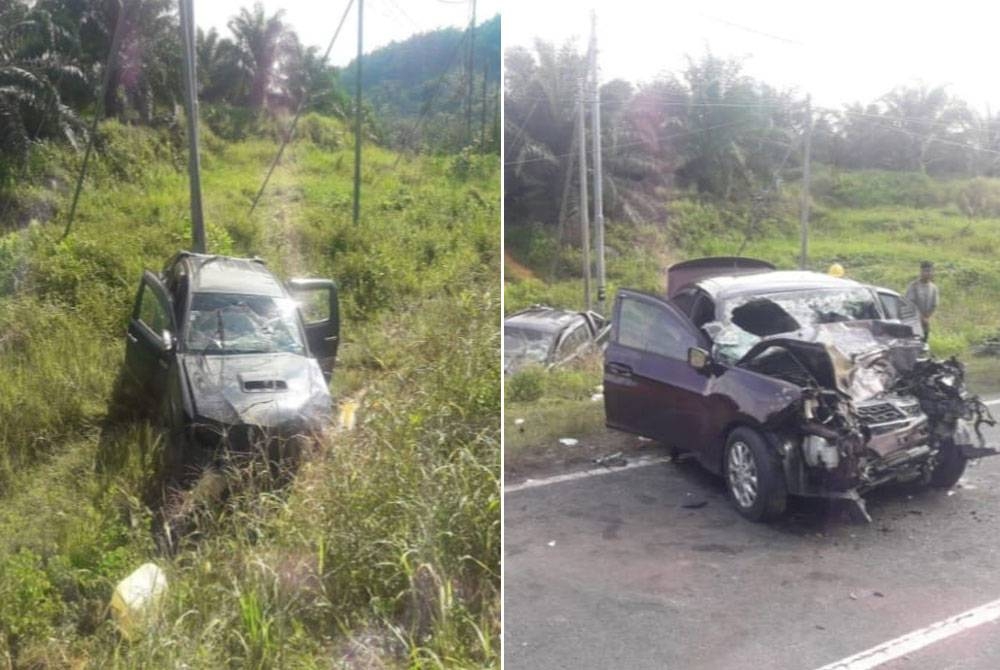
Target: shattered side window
731,342
648,327
576,340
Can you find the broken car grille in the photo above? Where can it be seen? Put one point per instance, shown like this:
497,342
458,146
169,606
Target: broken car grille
882,412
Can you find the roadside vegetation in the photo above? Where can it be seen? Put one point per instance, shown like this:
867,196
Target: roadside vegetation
382,549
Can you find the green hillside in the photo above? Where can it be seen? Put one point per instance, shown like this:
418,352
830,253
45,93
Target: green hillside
425,76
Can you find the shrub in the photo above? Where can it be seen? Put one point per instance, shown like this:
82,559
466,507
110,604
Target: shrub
322,131
28,601
526,385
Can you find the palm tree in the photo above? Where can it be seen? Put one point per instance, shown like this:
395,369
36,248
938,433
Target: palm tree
36,58
539,119
262,43
218,72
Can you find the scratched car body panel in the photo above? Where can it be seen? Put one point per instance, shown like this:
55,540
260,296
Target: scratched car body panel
788,383
224,352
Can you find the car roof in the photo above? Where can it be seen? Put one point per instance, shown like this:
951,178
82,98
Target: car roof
226,274
772,282
542,318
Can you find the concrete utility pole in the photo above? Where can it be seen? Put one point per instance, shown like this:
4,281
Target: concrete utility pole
482,115
584,218
804,210
191,90
598,173
357,116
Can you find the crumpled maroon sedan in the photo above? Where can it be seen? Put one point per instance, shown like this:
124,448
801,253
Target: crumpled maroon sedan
788,383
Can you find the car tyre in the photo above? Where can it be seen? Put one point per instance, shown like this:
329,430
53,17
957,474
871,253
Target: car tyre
950,467
754,477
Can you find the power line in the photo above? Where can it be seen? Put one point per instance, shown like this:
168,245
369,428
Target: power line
298,111
755,31
434,92
634,144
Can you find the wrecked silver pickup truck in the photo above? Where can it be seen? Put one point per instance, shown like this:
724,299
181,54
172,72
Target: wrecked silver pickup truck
788,383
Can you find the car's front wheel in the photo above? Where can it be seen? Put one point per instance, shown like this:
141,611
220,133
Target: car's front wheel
754,478
949,468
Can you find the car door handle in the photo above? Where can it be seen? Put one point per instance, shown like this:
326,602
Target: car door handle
619,369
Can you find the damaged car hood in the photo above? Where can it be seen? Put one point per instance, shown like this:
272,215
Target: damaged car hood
861,359
266,390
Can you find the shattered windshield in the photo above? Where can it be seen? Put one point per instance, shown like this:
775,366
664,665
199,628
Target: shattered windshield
523,346
773,313
746,319
228,323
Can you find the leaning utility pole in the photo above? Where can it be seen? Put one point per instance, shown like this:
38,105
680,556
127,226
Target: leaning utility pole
584,218
804,210
109,66
598,175
357,118
191,100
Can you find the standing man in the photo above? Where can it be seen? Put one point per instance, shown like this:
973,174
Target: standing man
923,293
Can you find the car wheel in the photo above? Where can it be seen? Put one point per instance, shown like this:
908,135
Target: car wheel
175,443
950,467
754,478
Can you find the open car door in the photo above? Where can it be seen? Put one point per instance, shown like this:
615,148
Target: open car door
650,387
150,337
320,309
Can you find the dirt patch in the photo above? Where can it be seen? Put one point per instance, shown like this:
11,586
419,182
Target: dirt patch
515,269
553,458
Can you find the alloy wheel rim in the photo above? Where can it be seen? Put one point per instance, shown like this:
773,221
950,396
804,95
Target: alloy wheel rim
742,472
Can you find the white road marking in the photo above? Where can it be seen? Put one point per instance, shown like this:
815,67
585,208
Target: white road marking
918,639
583,474
995,401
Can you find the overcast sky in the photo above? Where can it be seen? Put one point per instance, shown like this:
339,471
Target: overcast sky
844,51
385,20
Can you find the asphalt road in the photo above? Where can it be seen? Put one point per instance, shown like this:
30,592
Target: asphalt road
614,572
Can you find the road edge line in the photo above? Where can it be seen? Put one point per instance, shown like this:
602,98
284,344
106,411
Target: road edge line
643,462
918,639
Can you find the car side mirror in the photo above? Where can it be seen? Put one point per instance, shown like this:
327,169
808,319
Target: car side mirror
699,359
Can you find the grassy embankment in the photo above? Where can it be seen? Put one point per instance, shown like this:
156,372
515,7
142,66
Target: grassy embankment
384,551
879,226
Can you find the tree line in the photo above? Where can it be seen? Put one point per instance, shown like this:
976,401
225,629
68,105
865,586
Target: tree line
713,130
54,53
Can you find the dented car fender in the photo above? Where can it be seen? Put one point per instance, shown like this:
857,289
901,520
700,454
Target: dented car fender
769,403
